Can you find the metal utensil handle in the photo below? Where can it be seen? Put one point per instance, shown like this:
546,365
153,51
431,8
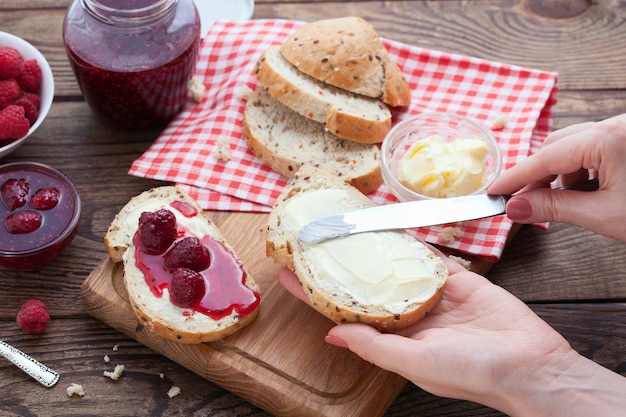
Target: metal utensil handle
31,366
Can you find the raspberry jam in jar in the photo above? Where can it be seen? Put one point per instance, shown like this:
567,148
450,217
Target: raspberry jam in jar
39,214
133,59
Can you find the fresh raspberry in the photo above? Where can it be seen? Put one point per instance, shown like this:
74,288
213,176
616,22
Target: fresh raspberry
13,123
157,230
187,287
9,91
14,193
32,97
31,110
45,198
30,79
188,253
33,317
11,63
23,222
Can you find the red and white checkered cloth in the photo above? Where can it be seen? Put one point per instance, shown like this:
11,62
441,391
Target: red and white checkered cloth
476,88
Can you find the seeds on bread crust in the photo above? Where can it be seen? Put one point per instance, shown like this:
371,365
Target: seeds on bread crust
348,53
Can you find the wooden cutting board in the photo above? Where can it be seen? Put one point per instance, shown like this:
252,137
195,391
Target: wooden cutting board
279,362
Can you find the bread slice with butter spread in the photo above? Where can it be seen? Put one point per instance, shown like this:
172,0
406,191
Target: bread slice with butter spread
148,273
385,279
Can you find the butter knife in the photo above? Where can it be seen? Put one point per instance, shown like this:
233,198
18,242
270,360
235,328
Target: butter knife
413,214
31,366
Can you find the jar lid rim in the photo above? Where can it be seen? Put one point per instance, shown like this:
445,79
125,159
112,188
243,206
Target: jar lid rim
128,17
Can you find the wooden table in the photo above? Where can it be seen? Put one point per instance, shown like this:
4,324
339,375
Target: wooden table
572,278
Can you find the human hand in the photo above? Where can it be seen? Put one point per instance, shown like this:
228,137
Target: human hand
482,344
475,342
572,153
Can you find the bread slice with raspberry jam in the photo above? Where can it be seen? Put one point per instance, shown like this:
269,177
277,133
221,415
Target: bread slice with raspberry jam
186,285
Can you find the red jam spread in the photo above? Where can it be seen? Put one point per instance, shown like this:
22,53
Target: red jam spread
185,209
38,216
224,278
134,75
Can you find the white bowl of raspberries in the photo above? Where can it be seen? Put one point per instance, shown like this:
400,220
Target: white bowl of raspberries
26,91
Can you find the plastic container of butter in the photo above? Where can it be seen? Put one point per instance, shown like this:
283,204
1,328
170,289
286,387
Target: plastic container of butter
449,176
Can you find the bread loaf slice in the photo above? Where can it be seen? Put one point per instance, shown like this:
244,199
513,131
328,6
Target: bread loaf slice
285,141
157,313
385,279
345,114
348,53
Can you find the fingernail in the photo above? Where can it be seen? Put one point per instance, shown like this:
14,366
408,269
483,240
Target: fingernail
518,209
335,341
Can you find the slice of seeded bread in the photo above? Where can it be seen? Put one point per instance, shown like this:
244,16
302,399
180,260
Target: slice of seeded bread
338,299
348,53
158,314
345,114
285,141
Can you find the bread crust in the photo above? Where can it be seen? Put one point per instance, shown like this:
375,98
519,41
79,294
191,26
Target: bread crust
283,245
156,314
356,118
348,53
285,141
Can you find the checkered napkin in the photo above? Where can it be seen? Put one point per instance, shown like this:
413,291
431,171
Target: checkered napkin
185,153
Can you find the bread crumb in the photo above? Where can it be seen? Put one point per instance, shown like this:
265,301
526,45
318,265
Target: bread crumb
499,122
244,93
107,359
115,348
222,149
161,376
75,389
465,263
174,391
116,374
450,234
197,89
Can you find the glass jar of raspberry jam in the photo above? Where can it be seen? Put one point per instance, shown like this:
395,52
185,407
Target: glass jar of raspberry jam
133,59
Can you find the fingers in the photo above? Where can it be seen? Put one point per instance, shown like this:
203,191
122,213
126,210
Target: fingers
545,205
291,283
375,347
594,211
567,131
572,156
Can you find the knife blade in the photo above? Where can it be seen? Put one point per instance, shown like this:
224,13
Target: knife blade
403,216
414,214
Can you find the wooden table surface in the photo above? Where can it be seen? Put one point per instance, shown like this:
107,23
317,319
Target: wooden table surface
570,277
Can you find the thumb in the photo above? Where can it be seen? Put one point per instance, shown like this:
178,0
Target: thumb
385,350
579,208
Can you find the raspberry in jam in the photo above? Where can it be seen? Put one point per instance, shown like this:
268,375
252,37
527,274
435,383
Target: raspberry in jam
224,287
39,214
133,59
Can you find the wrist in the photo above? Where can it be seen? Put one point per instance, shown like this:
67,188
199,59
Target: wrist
571,385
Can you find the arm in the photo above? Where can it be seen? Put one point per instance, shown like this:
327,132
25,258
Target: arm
482,344
573,153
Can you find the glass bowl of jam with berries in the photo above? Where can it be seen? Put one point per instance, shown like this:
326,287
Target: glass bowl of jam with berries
39,214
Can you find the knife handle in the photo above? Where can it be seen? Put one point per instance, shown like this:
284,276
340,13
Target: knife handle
589,185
